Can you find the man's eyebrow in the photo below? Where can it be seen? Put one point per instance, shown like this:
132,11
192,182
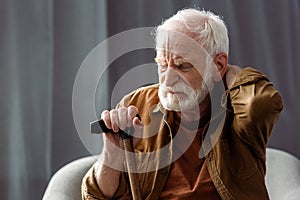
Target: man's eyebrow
181,61
160,60
177,61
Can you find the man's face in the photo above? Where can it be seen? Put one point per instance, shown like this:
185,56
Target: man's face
182,87
184,69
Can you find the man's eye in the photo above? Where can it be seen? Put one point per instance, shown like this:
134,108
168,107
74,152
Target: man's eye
185,67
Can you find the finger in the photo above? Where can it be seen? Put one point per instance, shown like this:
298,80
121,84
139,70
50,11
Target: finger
122,113
138,127
114,118
105,115
132,112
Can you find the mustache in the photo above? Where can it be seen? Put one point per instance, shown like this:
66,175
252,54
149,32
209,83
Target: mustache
177,87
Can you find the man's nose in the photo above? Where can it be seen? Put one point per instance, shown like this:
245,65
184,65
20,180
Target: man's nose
171,75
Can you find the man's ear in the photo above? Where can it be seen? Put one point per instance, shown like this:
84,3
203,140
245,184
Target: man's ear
221,62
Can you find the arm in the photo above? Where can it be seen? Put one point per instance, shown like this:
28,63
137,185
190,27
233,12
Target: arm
103,172
104,179
256,106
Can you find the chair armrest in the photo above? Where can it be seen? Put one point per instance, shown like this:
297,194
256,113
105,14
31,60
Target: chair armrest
65,184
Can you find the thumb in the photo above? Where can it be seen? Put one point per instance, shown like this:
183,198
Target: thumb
138,127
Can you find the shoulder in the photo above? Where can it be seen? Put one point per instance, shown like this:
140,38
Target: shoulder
254,90
248,75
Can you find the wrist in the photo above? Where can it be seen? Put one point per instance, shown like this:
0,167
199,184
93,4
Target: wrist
113,159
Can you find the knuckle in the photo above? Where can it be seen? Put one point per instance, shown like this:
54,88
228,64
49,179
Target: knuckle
114,117
122,109
132,110
104,113
114,113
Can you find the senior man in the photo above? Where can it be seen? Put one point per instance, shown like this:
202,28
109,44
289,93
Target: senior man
203,128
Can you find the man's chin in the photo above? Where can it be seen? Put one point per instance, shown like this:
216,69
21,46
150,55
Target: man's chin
178,102
178,107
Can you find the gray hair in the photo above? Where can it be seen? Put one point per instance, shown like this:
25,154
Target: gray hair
206,27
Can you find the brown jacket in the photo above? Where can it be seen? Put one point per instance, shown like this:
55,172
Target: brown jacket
234,145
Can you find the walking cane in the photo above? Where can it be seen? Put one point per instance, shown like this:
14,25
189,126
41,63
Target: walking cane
99,127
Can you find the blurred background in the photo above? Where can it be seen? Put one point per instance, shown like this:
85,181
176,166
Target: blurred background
44,42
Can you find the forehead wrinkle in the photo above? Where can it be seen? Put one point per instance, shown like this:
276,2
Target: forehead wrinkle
172,42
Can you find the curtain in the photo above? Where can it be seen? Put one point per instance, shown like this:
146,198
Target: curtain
44,43
26,97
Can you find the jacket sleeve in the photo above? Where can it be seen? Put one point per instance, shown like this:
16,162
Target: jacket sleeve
89,187
91,191
256,105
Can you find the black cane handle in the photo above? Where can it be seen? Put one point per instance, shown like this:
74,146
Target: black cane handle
98,127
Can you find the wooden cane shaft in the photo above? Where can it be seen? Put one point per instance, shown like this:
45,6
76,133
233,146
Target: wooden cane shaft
131,168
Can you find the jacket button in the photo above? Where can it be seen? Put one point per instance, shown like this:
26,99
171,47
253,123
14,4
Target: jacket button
164,171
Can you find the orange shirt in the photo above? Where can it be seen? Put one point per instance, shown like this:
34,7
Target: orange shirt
189,177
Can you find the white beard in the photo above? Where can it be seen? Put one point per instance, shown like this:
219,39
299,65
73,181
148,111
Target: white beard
187,99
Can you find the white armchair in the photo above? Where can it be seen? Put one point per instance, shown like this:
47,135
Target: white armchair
282,178
283,175
65,184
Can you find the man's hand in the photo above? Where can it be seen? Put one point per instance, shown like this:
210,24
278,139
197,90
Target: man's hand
231,74
121,118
